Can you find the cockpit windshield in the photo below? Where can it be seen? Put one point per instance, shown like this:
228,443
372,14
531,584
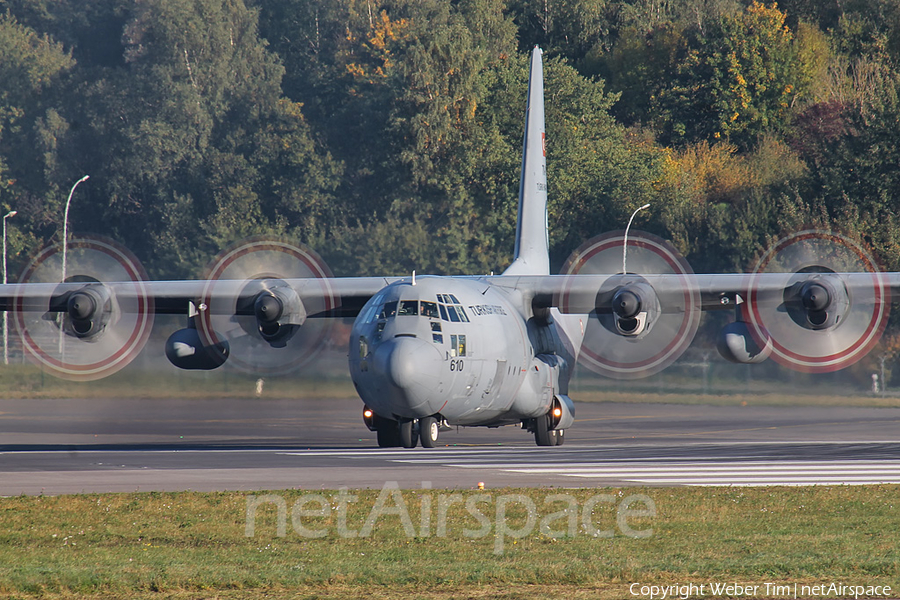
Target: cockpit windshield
429,309
388,310
451,309
446,309
408,308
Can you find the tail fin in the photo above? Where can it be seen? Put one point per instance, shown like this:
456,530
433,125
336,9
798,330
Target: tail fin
532,244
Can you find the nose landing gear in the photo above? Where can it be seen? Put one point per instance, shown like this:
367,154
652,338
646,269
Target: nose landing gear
429,429
409,434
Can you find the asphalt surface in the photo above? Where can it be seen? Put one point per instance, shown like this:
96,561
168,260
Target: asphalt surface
110,445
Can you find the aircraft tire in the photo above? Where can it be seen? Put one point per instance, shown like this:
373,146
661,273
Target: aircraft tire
543,435
409,437
560,437
388,434
428,431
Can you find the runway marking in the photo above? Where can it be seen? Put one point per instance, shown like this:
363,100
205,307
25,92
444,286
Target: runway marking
709,470
616,418
733,473
721,432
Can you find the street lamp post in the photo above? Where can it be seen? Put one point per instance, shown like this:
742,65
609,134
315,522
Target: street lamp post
66,224
65,242
11,213
625,240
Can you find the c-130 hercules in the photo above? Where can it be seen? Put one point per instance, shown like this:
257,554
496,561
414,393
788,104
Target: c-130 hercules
431,352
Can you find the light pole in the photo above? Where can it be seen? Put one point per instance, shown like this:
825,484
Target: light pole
65,245
625,240
11,213
66,224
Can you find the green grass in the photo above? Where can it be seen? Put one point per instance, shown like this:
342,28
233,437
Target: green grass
192,545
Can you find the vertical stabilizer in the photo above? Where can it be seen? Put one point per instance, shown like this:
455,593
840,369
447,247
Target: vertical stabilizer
532,245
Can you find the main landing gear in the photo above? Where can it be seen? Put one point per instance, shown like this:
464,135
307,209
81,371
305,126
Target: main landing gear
405,432
543,434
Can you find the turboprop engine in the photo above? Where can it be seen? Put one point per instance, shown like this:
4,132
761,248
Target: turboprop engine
815,302
277,309
641,320
87,312
264,300
102,309
630,308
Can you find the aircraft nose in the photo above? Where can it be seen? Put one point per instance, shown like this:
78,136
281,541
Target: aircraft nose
413,367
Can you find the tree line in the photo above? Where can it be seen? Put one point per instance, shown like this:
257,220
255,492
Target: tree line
386,134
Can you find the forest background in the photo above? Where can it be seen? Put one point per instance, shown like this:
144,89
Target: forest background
387,134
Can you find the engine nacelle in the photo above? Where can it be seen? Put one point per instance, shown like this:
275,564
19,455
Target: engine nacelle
736,344
87,312
818,302
185,350
276,308
629,309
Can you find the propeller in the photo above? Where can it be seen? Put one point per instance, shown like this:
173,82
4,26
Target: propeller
819,300
249,302
83,329
639,323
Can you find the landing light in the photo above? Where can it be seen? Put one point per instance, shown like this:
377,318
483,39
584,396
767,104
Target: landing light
367,414
557,412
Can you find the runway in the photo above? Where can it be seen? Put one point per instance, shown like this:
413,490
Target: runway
122,445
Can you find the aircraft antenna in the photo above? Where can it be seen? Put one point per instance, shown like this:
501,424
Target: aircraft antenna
625,239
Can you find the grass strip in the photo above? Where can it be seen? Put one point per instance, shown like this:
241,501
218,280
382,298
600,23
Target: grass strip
195,545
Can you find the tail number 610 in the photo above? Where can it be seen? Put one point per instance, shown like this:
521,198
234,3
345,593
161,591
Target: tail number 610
456,365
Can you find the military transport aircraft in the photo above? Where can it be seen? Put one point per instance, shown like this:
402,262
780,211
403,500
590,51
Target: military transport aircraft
429,352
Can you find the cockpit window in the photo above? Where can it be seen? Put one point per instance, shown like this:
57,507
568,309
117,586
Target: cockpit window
388,310
451,309
408,308
373,310
454,316
429,309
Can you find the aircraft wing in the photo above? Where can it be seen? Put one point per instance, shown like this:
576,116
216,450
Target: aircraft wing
811,321
813,304
577,294
346,294
90,326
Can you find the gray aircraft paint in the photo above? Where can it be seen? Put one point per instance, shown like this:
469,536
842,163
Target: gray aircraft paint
532,243
515,363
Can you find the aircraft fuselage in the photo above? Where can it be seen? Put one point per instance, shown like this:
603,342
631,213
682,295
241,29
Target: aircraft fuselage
458,348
